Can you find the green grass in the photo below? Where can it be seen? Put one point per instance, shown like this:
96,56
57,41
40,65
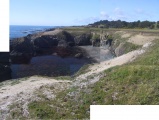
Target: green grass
63,78
133,83
14,82
64,107
109,29
128,47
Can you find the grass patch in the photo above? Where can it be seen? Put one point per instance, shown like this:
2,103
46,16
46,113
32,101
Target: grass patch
17,81
128,47
14,82
128,84
1,84
63,78
66,106
134,83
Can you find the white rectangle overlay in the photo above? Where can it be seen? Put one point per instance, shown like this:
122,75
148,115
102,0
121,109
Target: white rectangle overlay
124,112
4,26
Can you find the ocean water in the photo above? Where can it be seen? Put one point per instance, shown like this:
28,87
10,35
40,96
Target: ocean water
21,31
48,65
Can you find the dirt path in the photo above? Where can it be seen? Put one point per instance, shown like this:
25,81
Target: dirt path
96,69
24,92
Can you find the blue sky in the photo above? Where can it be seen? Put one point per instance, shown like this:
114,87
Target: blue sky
80,12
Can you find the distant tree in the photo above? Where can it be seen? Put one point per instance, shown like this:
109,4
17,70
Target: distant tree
124,24
152,26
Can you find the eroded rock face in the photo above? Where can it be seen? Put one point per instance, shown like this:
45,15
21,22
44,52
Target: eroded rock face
120,49
56,41
83,39
21,45
21,49
40,44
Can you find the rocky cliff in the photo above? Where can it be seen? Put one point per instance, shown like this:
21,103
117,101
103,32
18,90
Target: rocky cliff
48,42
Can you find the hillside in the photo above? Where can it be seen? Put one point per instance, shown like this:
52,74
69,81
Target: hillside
124,24
131,77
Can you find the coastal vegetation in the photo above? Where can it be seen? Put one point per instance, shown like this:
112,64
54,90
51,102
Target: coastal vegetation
133,83
112,82
124,24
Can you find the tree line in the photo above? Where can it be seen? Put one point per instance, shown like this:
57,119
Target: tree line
124,24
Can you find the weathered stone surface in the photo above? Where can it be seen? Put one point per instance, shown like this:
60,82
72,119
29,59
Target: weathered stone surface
120,49
83,39
109,42
46,43
21,45
39,43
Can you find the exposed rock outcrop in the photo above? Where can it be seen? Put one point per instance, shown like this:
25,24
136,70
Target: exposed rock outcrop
40,44
21,49
49,42
83,39
120,49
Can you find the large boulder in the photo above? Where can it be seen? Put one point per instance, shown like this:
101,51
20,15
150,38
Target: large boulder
61,38
21,45
51,40
42,43
45,41
21,50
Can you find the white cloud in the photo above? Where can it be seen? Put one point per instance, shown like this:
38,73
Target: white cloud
104,16
117,14
118,11
86,21
139,11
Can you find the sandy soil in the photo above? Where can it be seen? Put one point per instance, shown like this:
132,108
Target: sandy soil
24,92
124,34
141,40
97,68
54,32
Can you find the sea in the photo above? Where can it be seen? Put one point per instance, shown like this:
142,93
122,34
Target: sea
46,65
17,31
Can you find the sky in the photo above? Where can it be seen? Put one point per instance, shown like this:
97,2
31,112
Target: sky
80,12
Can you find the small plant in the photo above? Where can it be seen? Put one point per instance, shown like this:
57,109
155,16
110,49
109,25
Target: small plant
14,82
